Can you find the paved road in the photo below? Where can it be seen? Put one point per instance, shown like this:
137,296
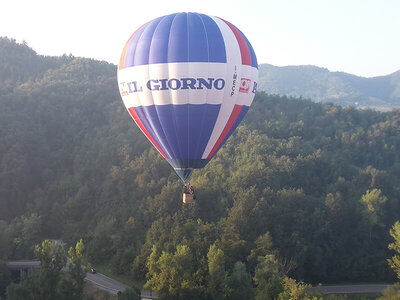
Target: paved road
112,286
105,283
351,289
99,280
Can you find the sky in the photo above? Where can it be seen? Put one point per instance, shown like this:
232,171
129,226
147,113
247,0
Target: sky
360,37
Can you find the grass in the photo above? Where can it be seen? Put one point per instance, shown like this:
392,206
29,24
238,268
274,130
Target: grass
92,292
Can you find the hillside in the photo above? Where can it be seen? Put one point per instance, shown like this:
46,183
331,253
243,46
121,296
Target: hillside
293,187
321,85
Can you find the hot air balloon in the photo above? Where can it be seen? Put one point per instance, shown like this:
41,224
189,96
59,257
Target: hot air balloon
187,80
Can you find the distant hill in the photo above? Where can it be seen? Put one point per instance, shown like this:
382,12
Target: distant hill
19,63
321,85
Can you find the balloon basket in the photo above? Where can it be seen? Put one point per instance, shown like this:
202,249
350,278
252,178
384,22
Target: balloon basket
188,198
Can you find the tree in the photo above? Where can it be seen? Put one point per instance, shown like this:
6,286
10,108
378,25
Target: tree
19,292
394,262
72,284
373,200
263,246
5,278
42,285
4,240
240,283
293,290
268,278
217,283
171,274
392,292
25,233
50,282
52,259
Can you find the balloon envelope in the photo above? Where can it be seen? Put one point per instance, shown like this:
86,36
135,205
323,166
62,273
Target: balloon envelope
187,79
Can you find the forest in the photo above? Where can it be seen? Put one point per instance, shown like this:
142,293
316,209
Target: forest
302,192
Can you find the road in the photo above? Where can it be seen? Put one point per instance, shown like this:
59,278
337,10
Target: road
112,286
99,280
105,283
351,289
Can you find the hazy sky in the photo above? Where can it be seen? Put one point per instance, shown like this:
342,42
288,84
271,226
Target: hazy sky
361,37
